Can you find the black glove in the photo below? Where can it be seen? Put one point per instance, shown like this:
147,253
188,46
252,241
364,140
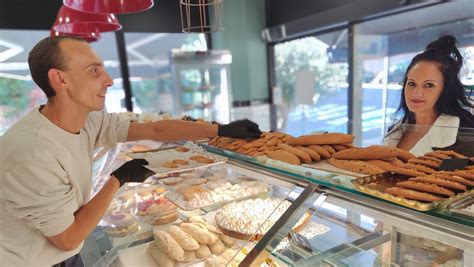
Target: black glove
131,171
239,129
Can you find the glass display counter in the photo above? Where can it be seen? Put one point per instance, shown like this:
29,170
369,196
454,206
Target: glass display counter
324,221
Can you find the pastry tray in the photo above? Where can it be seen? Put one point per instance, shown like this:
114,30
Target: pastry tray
375,185
459,207
157,158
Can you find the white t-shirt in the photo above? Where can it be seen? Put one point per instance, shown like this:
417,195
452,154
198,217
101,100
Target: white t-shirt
45,176
441,134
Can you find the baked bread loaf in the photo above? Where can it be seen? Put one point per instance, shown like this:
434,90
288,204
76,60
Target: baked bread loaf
185,240
425,187
322,139
166,243
285,156
355,166
366,153
412,194
161,258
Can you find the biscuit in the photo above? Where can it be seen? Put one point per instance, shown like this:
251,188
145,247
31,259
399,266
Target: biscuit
356,166
201,159
313,154
322,139
166,243
305,157
409,172
366,153
180,162
321,151
401,153
441,182
182,149
455,178
185,240
464,174
425,187
438,155
412,194
429,163
285,156
419,167
385,165
170,165
431,158
452,154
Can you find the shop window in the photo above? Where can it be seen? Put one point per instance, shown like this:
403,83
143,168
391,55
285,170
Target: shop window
150,68
383,49
311,86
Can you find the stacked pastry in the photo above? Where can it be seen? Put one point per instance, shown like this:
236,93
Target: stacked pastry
435,186
284,147
192,193
191,241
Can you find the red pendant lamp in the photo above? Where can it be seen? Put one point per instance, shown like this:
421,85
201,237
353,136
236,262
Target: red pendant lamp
92,37
109,6
76,22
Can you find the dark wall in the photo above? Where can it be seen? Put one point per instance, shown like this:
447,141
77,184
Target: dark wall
40,15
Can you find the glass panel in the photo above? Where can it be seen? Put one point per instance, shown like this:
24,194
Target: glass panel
150,68
383,49
311,84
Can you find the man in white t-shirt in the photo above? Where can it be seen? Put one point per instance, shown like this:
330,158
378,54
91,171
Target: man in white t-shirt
45,163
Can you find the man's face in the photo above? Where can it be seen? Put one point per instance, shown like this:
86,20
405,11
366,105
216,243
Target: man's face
87,79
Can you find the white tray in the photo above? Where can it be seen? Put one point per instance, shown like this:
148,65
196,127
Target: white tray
157,158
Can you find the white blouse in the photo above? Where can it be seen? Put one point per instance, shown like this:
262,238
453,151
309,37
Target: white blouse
442,133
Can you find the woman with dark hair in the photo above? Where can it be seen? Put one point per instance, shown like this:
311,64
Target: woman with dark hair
435,101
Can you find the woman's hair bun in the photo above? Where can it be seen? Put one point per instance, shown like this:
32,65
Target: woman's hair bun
446,45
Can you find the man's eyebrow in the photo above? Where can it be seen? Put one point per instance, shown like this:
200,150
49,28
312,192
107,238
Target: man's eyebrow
95,64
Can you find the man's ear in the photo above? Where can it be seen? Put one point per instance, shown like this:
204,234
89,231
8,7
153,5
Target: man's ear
56,79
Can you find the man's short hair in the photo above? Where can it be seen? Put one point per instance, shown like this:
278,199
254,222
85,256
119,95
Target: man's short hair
46,55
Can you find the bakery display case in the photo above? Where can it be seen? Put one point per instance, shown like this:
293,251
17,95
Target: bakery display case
258,211
202,84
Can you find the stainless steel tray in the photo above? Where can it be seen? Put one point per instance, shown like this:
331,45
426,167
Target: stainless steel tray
376,184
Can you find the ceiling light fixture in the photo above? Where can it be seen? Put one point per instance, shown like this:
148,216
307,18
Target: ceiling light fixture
109,6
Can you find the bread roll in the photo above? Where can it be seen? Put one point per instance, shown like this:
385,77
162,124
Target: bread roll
166,243
203,252
185,240
322,139
217,248
227,240
285,156
161,258
189,256
201,235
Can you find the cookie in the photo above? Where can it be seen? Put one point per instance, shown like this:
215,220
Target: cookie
356,166
182,149
455,178
441,182
438,155
412,194
170,165
201,159
452,154
180,162
431,158
464,174
426,187
171,181
285,156
419,167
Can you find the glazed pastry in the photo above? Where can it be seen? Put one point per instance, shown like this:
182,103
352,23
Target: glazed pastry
185,240
425,187
412,194
166,243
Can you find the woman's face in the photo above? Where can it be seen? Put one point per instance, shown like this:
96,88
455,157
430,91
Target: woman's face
424,85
